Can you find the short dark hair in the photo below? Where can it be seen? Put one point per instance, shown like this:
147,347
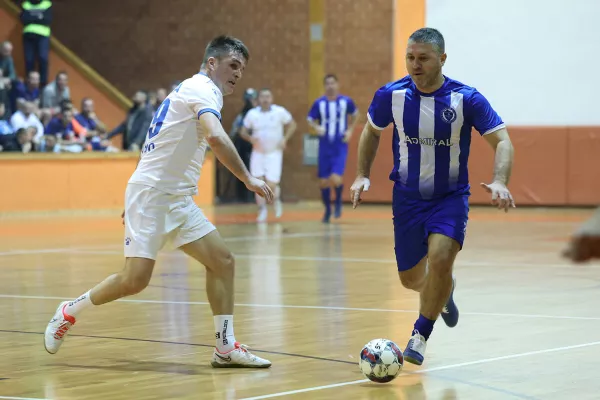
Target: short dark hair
224,45
429,35
330,76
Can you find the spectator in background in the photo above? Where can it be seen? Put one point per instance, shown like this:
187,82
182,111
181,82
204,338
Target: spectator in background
29,91
88,119
136,124
161,95
7,65
25,117
5,127
21,141
36,16
61,126
55,92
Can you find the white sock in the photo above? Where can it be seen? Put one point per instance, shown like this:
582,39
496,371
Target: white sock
79,304
277,192
224,333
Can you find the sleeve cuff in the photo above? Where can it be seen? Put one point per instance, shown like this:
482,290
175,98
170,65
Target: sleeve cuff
210,110
494,129
373,124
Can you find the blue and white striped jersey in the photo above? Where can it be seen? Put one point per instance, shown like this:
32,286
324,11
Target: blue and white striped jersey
432,134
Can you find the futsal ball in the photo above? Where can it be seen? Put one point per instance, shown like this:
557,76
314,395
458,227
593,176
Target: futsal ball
381,360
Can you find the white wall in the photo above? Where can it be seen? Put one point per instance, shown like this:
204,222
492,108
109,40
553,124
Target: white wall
537,61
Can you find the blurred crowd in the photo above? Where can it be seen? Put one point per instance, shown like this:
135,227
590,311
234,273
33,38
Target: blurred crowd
37,118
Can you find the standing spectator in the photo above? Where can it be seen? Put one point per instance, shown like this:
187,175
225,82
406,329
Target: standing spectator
5,127
36,16
55,92
136,125
25,117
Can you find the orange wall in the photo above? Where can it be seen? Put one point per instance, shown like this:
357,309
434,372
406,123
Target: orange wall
409,15
109,112
91,181
552,166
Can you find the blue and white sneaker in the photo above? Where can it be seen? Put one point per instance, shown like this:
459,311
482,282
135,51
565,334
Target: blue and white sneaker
414,352
450,311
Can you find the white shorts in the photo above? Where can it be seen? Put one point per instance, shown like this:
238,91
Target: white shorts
268,165
153,218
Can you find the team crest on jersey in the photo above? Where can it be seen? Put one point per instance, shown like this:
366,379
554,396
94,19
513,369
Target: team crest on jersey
448,115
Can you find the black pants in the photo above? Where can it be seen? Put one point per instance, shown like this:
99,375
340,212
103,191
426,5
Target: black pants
37,47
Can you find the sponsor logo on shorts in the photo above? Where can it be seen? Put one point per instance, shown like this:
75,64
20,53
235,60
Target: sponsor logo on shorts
127,241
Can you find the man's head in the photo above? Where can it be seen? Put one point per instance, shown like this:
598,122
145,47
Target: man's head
139,98
28,108
224,61
87,106
332,88
62,80
265,98
33,79
6,49
161,95
67,116
425,56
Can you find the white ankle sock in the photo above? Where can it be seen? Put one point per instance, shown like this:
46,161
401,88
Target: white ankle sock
79,304
277,192
261,201
225,340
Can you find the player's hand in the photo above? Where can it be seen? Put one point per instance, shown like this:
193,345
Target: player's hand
261,188
501,196
320,130
361,184
123,217
347,136
282,144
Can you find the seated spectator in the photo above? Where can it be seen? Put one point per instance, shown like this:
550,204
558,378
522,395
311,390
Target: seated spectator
55,92
61,126
5,127
136,125
25,117
7,65
49,144
88,119
17,142
29,91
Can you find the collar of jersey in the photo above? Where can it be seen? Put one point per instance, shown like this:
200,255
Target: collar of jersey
211,81
441,88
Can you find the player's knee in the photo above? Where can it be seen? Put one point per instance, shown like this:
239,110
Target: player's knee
441,261
336,180
131,285
410,281
324,183
226,264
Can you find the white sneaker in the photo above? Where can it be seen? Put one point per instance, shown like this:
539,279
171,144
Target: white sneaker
278,208
414,352
263,213
239,357
57,329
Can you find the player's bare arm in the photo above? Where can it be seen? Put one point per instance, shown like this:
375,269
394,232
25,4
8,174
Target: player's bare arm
245,134
504,155
319,130
210,127
289,130
367,149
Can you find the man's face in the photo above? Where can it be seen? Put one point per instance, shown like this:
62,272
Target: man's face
331,87
227,71
34,79
88,106
6,49
62,80
265,98
423,63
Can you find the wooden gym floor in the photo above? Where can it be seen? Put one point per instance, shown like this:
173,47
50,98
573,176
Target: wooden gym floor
308,297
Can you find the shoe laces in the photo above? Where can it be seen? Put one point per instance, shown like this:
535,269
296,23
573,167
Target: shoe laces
242,347
63,328
416,343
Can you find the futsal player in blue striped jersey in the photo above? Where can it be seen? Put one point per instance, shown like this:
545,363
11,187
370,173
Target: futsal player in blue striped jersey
432,116
333,116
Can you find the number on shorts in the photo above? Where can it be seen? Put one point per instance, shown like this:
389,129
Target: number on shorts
159,118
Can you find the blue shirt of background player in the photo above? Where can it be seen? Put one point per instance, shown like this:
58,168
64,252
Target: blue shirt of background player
432,134
333,116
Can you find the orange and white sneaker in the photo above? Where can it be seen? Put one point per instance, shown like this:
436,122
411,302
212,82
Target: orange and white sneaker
57,329
239,357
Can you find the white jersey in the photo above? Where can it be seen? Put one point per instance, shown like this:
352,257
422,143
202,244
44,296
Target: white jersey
267,126
173,155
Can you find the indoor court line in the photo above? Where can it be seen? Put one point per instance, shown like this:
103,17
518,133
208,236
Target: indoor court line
204,303
84,250
20,398
445,367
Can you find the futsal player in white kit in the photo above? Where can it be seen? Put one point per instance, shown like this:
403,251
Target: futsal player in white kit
270,126
159,205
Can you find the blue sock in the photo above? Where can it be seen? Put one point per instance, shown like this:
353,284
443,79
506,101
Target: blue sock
326,196
424,326
338,196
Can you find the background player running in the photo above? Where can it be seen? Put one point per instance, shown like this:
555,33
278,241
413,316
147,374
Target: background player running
433,116
159,206
333,117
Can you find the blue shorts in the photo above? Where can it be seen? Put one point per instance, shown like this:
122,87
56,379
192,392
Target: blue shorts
415,219
333,163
